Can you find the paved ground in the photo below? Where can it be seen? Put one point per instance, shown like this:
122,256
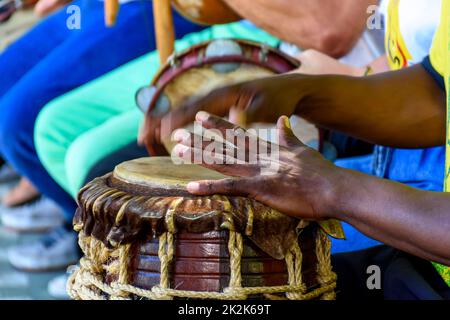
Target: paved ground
15,284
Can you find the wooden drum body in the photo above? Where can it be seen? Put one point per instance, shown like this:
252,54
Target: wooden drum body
144,236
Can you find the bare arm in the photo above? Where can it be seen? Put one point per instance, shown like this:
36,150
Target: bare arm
409,219
404,109
330,26
309,187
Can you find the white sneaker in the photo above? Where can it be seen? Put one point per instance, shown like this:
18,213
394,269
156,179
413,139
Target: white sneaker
55,251
57,287
39,216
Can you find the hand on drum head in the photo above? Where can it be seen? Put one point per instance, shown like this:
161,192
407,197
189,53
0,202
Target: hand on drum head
301,183
263,100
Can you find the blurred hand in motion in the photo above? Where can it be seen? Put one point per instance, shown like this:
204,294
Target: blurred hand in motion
315,62
263,100
302,186
45,7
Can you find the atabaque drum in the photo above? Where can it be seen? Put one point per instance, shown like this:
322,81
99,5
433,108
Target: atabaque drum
207,66
144,236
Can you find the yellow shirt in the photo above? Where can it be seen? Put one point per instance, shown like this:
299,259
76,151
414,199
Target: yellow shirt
440,62
396,49
409,32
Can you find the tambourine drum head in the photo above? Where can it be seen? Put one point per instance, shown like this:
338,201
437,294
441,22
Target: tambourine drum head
208,66
201,81
207,12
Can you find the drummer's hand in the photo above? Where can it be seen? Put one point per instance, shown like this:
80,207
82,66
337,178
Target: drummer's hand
263,100
302,183
315,62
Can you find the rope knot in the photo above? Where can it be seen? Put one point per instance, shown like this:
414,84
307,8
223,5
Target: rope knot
161,293
235,293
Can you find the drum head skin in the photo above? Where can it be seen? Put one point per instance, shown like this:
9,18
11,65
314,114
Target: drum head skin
162,173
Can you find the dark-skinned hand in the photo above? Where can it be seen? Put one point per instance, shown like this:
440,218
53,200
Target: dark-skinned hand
301,187
263,100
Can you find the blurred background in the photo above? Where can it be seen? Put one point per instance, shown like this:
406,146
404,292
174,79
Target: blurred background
14,284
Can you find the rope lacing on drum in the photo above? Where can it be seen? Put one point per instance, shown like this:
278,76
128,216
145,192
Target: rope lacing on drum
88,281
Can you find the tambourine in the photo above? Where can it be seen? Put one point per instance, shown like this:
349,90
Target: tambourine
208,66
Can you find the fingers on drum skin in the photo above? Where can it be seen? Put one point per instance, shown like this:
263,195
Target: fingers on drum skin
234,170
234,137
232,144
187,154
230,186
210,159
238,143
206,142
219,156
238,170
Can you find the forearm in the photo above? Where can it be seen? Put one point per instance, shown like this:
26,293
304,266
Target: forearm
411,220
330,26
403,109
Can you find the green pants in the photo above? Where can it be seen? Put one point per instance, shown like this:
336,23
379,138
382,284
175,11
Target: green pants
76,130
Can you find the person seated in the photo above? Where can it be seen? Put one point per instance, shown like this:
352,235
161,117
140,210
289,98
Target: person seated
86,132
47,62
76,131
410,28
401,109
24,201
